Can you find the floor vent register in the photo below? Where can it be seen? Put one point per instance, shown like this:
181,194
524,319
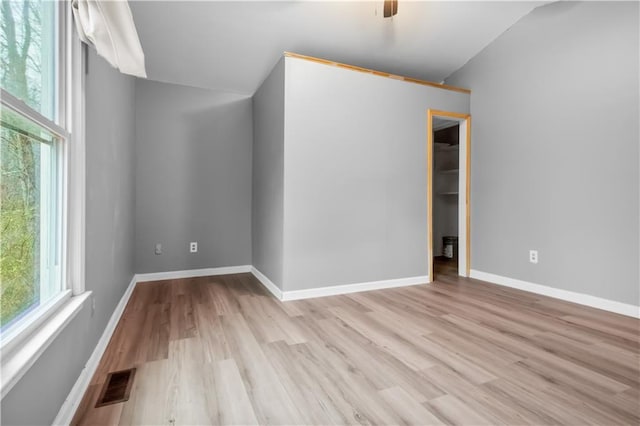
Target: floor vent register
117,387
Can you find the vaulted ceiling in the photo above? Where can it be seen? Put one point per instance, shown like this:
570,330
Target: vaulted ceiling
233,45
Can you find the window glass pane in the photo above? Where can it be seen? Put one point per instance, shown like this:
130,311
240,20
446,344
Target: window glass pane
29,216
28,51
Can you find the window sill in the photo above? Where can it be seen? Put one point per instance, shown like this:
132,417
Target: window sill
18,360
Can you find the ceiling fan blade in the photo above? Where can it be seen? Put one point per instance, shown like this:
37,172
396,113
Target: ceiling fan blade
390,8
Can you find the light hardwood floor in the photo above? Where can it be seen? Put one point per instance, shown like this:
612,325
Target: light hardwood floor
221,350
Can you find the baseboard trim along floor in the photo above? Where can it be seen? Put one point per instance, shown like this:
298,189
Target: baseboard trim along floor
335,289
569,296
192,273
353,288
267,283
70,405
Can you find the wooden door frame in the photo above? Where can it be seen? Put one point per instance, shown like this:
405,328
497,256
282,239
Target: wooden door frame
460,117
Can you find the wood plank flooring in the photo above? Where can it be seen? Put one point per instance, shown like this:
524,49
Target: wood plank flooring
221,350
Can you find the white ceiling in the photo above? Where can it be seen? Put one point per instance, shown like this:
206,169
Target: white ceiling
233,45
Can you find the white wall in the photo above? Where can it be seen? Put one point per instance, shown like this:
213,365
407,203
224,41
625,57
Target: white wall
554,166
355,175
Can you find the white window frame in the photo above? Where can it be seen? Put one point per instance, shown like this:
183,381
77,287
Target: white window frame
23,343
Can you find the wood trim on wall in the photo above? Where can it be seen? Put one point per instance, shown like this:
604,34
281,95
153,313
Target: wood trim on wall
378,73
468,195
467,118
430,192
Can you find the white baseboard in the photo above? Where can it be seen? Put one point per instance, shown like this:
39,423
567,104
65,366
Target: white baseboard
70,405
569,296
267,283
192,273
335,289
353,288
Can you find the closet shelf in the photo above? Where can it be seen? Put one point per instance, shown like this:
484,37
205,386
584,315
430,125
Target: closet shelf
448,193
448,172
443,147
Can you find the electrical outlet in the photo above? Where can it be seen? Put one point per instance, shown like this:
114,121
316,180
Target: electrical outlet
158,248
93,305
533,256
193,247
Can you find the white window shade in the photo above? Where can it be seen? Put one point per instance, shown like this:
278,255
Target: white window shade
108,25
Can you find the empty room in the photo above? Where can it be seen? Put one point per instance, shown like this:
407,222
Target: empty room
320,212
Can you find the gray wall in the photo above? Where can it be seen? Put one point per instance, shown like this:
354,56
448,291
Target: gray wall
555,149
355,175
268,175
193,177
36,399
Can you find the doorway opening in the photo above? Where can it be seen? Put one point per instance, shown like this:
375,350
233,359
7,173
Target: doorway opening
448,216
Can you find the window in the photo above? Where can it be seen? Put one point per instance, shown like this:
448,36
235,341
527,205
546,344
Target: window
30,216
34,163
